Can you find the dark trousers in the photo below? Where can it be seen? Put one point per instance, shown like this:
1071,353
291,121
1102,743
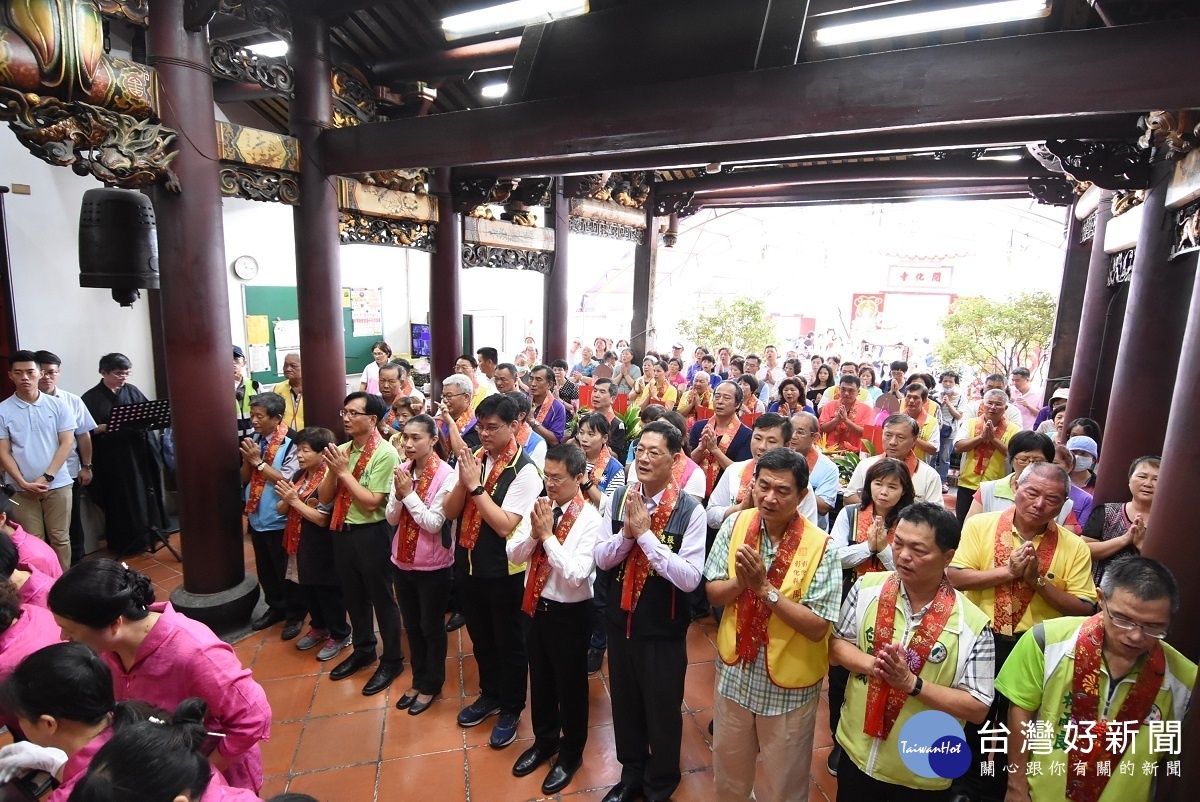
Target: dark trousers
962,502
558,682
646,681
838,677
496,625
973,783
422,597
271,559
855,786
76,533
599,640
326,609
362,553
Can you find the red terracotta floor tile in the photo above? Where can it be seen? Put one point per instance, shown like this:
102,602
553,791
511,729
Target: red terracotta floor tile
345,696
279,752
696,786
491,778
700,648
599,703
439,777
699,686
435,730
273,786
352,784
278,660
340,741
600,768
290,698
247,654
695,752
820,772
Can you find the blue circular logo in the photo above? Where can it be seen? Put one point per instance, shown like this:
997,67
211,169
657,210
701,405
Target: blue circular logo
932,744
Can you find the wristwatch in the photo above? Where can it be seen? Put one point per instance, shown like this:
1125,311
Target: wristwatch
587,486
916,691
49,477
772,596
1041,582
261,466
87,467
478,491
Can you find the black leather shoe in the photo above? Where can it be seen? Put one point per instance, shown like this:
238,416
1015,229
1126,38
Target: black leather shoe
355,662
595,659
268,619
622,793
456,621
560,776
531,758
291,629
831,762
405,702
382,678
418,707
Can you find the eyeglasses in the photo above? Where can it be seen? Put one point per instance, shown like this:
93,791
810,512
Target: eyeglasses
447,396
1121,622
651,453
120,374
492,429
351,413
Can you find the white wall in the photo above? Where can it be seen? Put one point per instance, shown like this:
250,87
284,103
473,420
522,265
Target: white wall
53,312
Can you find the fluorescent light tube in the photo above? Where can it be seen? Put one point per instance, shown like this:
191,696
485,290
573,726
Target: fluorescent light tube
516,14
276,49
494,91
929,21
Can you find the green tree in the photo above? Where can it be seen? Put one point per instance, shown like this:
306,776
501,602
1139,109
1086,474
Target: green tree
991,335
741,323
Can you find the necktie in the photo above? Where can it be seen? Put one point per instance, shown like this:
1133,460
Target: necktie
558,514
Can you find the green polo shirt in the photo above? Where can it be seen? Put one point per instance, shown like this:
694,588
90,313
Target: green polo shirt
377,477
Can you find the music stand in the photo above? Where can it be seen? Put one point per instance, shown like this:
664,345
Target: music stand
146,417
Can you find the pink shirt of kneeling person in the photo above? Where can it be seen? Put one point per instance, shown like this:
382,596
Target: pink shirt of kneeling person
32,550
160,656
32,585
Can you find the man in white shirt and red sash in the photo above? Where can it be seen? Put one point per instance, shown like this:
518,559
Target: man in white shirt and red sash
781,586
900,437
1062,669
652,542
558,598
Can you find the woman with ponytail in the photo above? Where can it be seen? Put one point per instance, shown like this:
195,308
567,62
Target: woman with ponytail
162,657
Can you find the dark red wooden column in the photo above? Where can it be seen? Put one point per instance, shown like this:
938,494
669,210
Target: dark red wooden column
1070,302
445,297
645,259
195,310
8,305
1155,317
1096,325
556,311
318,265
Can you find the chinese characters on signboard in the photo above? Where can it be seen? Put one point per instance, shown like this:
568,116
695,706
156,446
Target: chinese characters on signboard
934,278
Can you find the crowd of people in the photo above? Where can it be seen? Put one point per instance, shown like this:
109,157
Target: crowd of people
568,512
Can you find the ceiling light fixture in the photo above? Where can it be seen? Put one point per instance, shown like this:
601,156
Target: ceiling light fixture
506,16
494,91
930,21
276,49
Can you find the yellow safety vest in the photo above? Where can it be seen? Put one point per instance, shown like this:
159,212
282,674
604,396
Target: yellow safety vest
793,661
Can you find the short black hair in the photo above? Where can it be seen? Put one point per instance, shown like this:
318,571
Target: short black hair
558,363
48,358
1021,372
510,367
1027,440
1146,579
784,459
899,364
612,386
468,358
750,379
22,356
372,404
488,353
114,361
900,419
1149,459
669,433
571,456
850,378
271,403
944,524
392,366
597,423
315,437
501,406
380,345
548,369
708,358
920,389
771,420
738,392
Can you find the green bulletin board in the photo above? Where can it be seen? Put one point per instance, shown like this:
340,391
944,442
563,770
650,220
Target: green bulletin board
279,303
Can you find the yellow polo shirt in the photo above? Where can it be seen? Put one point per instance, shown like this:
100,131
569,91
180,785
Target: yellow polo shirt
1070,568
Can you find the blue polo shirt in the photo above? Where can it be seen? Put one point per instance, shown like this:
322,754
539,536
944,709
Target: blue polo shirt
32,431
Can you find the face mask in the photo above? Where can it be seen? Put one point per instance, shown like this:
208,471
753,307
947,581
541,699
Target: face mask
1084,463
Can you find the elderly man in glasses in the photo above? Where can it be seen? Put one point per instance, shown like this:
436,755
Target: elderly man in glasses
1064,670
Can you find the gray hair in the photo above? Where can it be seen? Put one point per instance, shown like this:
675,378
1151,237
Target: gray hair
703,373
1047,470
996,392
809,418
460,381
1144,578
900,419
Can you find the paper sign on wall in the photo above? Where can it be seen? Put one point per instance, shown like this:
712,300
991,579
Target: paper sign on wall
260,356
287,335
366,312
258,330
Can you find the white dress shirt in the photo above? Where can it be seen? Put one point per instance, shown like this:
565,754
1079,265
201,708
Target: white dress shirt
428,517
695,485
572,565
926,482
854,554
683,570
723,495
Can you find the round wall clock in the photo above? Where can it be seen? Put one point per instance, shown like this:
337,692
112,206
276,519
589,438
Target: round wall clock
245,267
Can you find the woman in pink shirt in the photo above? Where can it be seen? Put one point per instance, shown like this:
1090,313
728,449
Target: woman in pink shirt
33,551
23,630
159,656
423,553
32,585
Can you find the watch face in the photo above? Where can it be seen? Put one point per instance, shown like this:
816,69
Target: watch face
245,267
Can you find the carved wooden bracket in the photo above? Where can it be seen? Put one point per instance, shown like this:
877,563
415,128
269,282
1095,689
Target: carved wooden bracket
270,14
239,64
353,100
626,189
1120,267
198,13
361,228
255,183
136,12
1052,190
508,258
673,204
1175,132
1187,230
1108,165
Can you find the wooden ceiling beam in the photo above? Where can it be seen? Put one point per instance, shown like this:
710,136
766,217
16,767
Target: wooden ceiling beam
851,193
1047,77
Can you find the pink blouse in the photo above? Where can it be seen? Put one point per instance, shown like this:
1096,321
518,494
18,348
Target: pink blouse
36,552
77,765
181,658
219,790
430,554
36,590
34,629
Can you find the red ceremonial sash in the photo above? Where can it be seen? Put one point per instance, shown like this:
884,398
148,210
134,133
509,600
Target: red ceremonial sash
539,565
600,466
752,612
709,462
911,463
523,432
291,530
842,431
1012,598
472,518
984,451
744,482
865,520
544,408
637,566
341,505
1085,703
883,701
406,546
258,482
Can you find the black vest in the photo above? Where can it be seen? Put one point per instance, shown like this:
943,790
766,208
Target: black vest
663,611
489,560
